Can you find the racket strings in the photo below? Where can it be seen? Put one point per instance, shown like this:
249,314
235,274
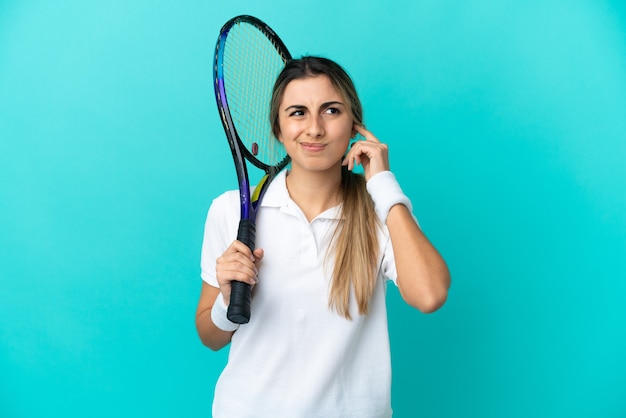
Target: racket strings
251,65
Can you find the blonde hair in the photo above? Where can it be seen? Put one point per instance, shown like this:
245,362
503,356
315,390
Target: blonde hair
354,242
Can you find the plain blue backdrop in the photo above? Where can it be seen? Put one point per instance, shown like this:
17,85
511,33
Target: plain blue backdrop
506,123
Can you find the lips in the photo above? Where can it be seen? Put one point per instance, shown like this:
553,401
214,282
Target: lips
312,146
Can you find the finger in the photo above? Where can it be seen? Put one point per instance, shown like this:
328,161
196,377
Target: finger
367,134
352,159
258,255
239,247
361,150
227,272
236,277
235,260
235,265
373,157
357,155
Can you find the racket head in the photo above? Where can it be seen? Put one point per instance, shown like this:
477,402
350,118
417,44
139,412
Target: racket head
248,58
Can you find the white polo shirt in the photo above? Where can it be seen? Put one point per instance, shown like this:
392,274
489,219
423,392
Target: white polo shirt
296,357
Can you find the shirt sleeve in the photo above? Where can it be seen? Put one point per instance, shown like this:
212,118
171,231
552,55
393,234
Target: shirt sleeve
220,230
387,264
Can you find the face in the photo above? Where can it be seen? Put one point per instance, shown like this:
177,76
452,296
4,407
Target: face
315,124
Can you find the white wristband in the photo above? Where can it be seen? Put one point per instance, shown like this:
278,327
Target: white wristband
218,315
386,193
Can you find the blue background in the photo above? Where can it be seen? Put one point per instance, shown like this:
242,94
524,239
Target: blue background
506,123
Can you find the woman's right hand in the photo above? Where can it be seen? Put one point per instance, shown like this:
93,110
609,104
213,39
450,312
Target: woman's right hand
237,263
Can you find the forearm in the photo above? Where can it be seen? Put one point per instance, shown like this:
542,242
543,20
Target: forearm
423,277
210,335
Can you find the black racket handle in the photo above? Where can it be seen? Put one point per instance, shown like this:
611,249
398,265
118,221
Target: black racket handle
240,292
239,306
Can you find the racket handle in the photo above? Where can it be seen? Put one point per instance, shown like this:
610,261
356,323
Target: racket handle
247,233
240,292
239,306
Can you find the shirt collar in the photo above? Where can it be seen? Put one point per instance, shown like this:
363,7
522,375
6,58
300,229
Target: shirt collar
277,196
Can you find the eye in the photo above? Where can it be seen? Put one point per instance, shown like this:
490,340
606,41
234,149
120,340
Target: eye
297,112
332,111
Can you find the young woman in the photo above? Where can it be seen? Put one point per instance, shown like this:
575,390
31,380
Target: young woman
328,240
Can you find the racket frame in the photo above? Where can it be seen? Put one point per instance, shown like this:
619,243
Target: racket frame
239,307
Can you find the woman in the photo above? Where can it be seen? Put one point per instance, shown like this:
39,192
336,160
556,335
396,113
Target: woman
328,240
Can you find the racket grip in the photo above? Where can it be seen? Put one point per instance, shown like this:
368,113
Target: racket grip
247,233
240,292
239,306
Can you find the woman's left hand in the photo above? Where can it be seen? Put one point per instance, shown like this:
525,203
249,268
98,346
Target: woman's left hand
370,153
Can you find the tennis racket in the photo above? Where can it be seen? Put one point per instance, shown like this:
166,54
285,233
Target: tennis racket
248,58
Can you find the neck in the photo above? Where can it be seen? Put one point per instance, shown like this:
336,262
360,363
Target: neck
314,192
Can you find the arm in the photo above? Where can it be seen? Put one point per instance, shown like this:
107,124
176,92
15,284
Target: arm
423,277
236,263
209,334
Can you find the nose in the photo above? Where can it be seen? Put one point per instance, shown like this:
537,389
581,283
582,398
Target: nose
315,129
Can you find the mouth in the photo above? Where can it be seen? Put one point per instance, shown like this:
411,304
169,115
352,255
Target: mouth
312,146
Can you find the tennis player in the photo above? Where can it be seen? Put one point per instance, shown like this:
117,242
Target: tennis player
328,242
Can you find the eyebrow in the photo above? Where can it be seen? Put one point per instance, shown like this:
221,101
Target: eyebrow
323,106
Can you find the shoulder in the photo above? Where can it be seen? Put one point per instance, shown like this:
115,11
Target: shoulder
228,198
224,208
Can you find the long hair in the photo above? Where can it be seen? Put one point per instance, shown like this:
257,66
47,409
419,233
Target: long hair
354,242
